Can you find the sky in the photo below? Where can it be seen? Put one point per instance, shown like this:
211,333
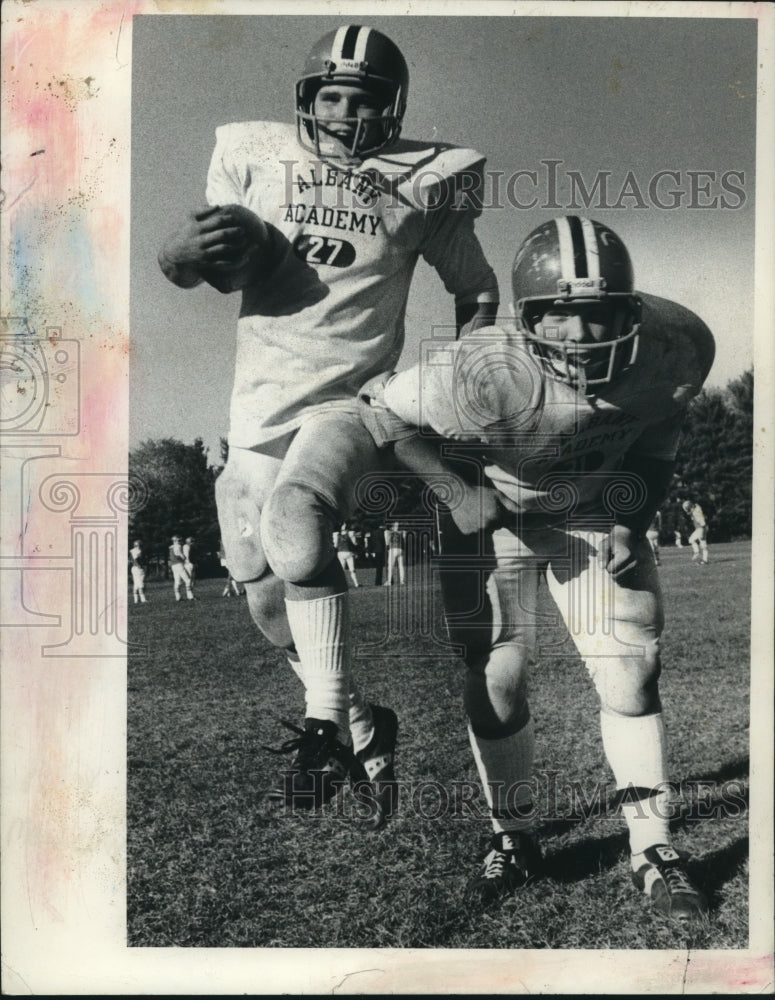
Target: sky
566,97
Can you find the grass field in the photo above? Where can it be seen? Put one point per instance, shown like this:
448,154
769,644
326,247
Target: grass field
210,866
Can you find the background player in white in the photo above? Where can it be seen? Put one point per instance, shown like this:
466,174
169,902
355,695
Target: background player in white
652,535
395,543
177,563
346,545
137,563
231,583
321,225
189,553
572,421
698,537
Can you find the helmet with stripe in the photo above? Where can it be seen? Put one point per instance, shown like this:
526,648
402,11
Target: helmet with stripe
356,56
571,263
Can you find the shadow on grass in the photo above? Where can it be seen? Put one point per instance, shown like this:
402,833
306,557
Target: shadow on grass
589,857
714,870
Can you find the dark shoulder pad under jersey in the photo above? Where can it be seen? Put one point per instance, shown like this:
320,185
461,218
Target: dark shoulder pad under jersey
679,339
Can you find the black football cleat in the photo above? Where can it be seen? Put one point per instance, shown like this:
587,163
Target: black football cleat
514,860
319,770
665,881
373,777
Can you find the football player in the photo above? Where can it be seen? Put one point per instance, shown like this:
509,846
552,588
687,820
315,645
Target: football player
395,542
568,425
189,551
652,534
137,564
698,537
346,545
177,563
320,225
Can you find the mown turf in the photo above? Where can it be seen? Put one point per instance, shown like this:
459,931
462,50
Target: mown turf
210,865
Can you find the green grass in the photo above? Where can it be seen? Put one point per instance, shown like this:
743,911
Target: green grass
209,865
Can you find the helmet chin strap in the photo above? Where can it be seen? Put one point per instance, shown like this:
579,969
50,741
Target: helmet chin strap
581,378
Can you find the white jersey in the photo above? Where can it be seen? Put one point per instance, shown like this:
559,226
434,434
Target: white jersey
331,313
697,515
546,445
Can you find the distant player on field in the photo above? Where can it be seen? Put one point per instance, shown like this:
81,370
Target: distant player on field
138,563
320,225
573,420
652,535
189,552
346,545
698,539
177,564
395,543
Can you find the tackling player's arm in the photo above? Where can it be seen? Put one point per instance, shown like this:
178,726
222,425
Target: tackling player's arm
652,460
452,247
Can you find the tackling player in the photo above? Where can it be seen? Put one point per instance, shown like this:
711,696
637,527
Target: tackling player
321,224
568,426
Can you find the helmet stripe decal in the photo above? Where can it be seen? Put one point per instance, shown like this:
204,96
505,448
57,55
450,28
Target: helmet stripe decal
579,249
336,48
350,38
593,251
360,46
567,264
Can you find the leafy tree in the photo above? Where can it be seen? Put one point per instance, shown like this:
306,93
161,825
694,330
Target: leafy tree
715,457
177,485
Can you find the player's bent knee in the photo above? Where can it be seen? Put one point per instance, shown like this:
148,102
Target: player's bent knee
266,602
628,686
296,528
239,519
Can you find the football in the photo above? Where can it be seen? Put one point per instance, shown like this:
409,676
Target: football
253,263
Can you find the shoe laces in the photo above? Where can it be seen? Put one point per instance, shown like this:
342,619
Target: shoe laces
307,744
495,864
503,851
676,879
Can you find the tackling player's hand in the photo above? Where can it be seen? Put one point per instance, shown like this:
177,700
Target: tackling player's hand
621,555
378,419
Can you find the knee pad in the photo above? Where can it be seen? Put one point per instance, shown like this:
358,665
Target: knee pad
296,529
628,685
266,602
239,518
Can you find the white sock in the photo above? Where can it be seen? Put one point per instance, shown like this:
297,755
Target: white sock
636,749
296,666
360,717
501,764
361,720
320,635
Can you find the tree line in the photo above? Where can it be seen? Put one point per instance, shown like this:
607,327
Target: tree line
714,467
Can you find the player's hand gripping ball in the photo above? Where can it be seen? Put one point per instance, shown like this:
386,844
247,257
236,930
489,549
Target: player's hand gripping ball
243,253
227,245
